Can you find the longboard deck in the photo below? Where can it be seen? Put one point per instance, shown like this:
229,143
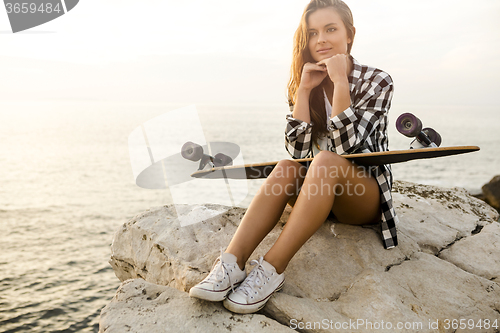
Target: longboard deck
262,170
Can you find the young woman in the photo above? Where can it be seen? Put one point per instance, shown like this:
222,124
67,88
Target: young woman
338,107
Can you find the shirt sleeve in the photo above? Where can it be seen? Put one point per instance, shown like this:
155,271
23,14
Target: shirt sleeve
350,128
297,137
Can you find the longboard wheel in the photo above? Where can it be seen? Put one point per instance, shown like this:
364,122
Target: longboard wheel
224,160
191,151
433,135
408,125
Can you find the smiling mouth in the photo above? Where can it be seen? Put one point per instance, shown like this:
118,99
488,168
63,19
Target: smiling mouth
323,50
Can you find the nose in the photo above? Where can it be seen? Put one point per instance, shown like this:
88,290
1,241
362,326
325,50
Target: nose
321,38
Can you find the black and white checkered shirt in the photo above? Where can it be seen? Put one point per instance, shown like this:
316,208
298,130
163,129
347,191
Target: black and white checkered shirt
361,128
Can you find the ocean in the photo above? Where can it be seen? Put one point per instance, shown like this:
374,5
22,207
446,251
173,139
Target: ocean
67,185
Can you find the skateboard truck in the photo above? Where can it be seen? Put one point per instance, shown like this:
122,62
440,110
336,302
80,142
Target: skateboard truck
410,126
194,152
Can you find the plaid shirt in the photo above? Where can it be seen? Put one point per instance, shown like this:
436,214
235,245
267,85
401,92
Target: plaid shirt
361,128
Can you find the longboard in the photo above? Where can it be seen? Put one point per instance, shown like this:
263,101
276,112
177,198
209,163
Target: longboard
262,170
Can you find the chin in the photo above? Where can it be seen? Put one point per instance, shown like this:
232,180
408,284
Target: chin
320,57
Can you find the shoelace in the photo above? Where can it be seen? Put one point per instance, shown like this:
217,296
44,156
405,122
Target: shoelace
255,279
220,271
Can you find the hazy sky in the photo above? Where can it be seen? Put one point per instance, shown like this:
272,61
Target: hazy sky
226,51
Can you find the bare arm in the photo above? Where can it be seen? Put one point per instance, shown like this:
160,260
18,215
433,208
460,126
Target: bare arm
341,97
312,76
301,107
338,68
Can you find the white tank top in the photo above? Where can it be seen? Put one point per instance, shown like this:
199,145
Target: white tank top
324,142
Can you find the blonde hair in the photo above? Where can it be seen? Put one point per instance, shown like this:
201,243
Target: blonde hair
301,55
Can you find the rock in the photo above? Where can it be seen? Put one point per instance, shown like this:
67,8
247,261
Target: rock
342,275
435,217
492,192
140,306
477,193
477,254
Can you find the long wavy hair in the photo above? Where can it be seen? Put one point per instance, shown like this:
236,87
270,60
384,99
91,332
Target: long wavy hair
301,55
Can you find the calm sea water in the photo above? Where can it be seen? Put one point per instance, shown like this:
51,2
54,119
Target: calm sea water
67,185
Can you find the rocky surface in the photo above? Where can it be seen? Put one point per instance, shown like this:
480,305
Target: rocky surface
446,267
491,192
140,306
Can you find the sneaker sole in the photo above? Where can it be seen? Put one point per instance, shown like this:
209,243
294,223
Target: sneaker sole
249,308
209,295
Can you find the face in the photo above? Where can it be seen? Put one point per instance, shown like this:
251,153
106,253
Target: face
327,34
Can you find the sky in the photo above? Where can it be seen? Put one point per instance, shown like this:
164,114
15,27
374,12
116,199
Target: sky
438,52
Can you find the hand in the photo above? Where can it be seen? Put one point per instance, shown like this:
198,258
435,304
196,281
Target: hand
338,67
312,76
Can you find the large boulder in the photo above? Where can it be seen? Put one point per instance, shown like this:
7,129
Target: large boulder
141,306
491,192
446,267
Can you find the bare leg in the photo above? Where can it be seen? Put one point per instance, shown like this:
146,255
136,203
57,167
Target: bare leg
266,209
328,173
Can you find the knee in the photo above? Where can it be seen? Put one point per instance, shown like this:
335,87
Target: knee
329,164
288,170
327,158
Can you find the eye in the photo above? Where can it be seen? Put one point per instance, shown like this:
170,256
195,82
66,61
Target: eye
332,29
312,33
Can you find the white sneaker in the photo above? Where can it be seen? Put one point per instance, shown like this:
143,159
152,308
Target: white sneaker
224,277
255,291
